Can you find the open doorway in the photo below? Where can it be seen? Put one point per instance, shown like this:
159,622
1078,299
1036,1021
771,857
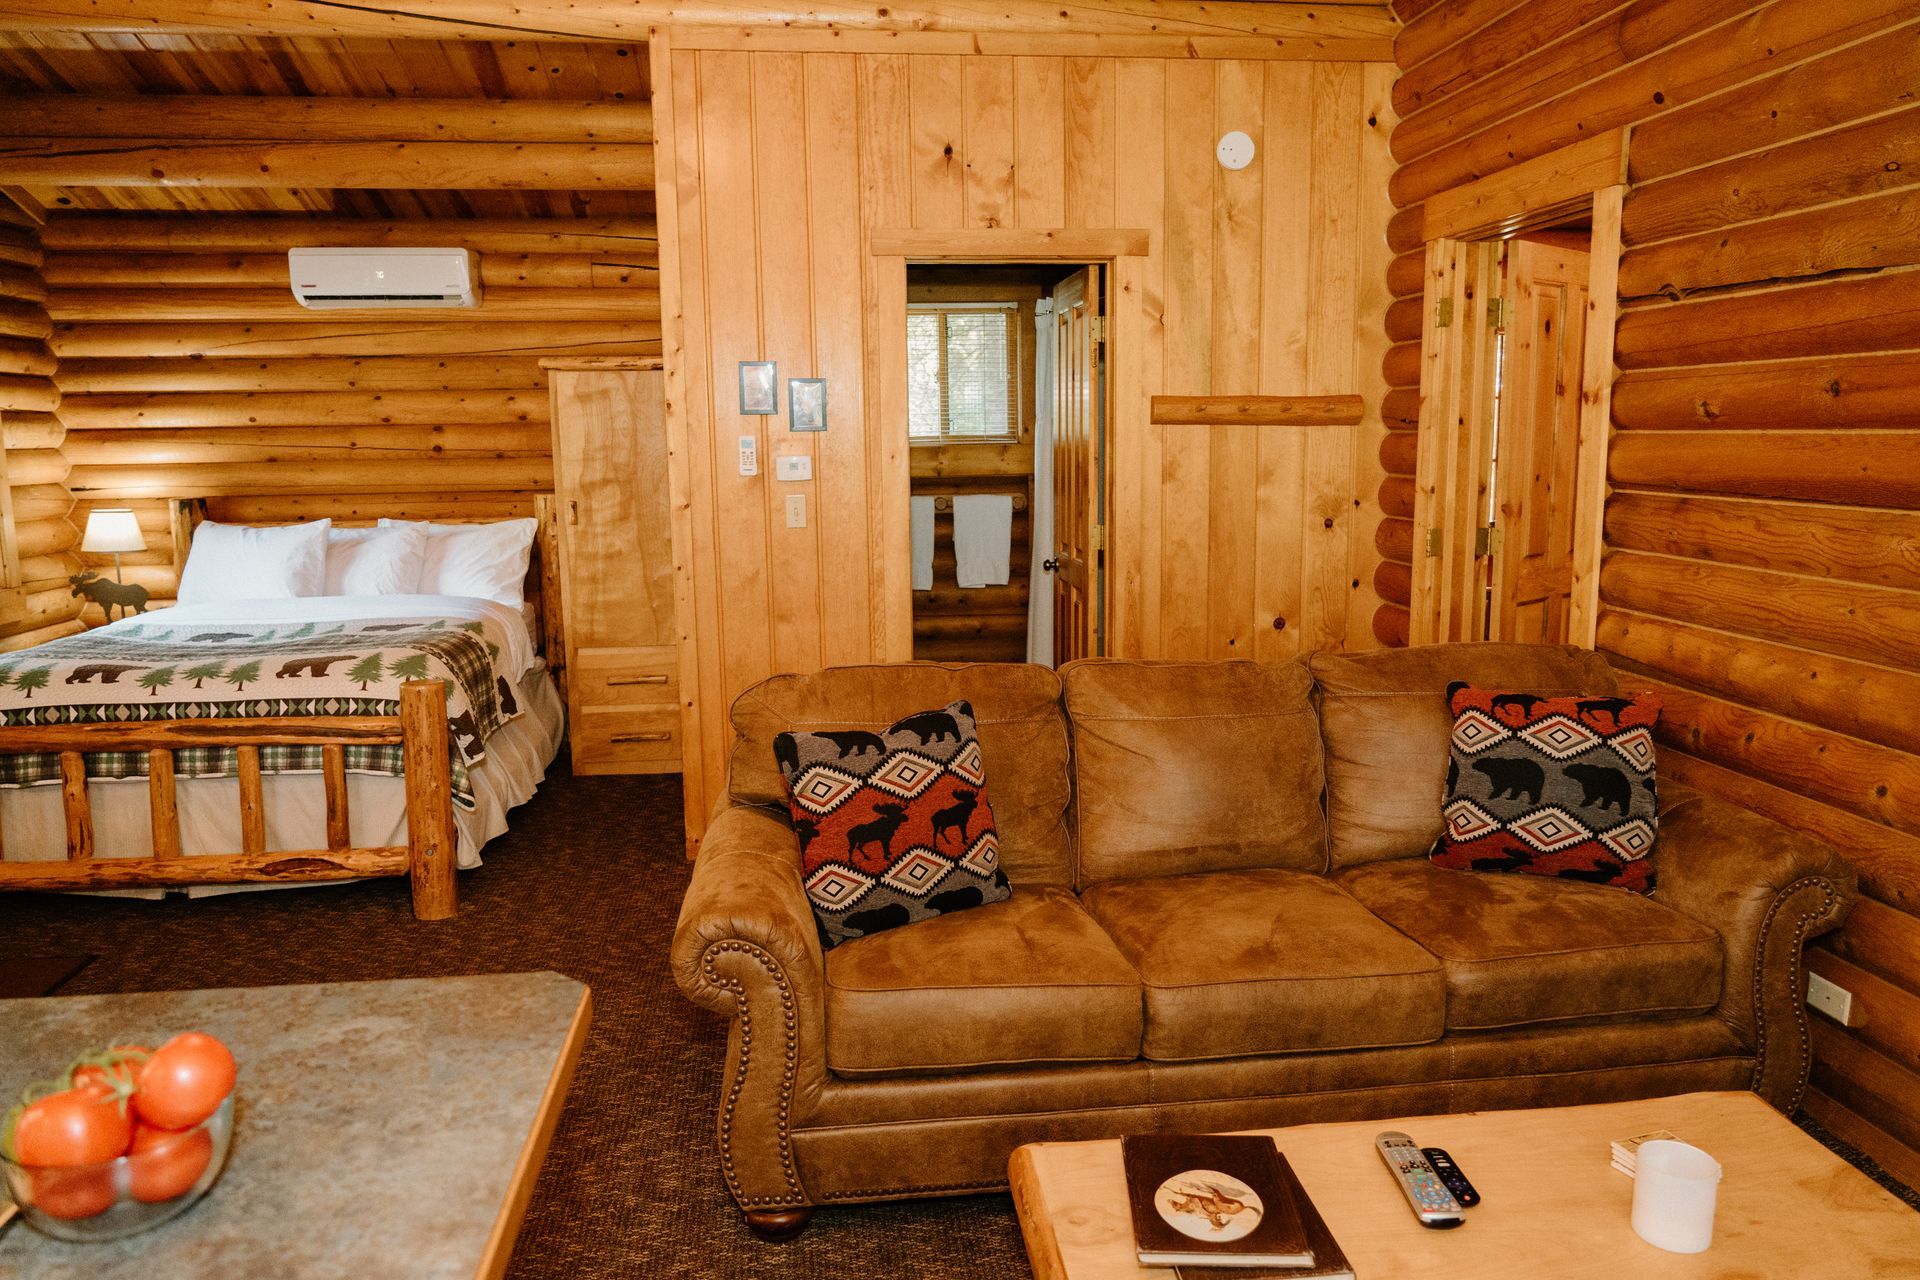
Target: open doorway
1515,395
1006,383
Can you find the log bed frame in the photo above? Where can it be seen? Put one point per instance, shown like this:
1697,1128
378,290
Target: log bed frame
428,859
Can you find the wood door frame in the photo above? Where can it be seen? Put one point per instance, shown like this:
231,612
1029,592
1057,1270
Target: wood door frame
1122,254
1460,225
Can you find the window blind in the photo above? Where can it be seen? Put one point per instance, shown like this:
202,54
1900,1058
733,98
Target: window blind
962,362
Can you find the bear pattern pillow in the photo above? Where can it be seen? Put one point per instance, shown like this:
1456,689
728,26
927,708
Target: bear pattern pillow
894,827
1551,786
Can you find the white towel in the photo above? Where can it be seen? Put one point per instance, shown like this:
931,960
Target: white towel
982,538
922,544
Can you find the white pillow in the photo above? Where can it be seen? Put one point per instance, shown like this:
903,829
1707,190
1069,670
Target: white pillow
375,562
241,562
484,560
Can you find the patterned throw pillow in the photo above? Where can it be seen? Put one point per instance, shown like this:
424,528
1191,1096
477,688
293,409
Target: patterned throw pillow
894,827
1551,786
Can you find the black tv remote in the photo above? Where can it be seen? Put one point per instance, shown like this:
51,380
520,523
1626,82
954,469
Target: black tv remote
1450,1174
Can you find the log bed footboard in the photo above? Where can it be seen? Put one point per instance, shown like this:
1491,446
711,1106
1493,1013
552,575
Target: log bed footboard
428,858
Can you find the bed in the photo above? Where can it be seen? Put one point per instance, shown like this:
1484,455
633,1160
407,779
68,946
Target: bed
234,743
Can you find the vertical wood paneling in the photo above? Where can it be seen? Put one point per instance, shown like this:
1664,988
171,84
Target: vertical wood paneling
782,189
1186,462
1754,151
1234,362
1286,304
841,456
939,138
786,161
987,194
1039,150
1092,162
1136,446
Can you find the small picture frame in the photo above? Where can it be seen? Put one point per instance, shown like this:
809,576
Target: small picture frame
806,404
759,393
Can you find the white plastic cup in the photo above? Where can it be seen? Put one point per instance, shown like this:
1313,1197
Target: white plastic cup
1675,1187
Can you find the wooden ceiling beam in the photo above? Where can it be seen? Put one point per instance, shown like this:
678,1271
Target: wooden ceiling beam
217,118
630,19
187,162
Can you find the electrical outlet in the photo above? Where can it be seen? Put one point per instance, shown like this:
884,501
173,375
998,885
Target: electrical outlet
796,511
1829,998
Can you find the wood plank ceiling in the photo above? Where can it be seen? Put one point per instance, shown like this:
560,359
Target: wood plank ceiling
106,64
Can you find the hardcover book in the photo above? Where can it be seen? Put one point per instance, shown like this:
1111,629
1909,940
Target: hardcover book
1329,1263
1214,1201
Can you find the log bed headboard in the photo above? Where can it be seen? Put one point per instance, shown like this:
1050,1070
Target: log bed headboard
543,568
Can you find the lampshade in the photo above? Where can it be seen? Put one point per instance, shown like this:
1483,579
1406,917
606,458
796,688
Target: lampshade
112,529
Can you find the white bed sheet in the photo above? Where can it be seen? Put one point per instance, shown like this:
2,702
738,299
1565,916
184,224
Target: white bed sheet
209,808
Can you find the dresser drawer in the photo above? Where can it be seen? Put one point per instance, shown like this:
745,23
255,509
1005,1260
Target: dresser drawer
626,740
626,677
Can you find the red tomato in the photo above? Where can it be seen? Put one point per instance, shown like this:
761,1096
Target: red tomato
163,1163
74,1126
185,1081
71,1193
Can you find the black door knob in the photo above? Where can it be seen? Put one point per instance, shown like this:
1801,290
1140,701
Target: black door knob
1050,566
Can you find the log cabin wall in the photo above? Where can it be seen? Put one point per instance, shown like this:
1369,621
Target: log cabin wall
189,371
1762,567
776,168
36,468
174,172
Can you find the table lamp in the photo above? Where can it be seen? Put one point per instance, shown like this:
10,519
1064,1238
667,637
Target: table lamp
114,529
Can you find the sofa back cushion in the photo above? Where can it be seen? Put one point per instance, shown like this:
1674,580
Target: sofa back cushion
1385,719
1184,767
1023,742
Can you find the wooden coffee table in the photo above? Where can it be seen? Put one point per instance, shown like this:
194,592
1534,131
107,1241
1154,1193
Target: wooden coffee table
381,1128
1553,1207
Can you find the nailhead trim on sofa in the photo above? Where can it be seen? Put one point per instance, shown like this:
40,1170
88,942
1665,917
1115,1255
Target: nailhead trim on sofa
797,1196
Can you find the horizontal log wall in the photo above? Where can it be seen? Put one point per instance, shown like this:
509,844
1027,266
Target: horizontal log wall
187,370
45,527
1763,534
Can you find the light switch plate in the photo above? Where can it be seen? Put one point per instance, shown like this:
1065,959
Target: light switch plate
796,511
793,466
1829,998
749,455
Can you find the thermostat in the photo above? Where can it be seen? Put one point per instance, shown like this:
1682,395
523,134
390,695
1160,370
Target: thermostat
1235,150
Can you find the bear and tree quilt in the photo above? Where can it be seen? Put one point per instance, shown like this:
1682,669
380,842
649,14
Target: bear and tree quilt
154,671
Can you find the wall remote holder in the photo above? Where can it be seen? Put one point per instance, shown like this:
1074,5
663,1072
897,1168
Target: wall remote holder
1428,1196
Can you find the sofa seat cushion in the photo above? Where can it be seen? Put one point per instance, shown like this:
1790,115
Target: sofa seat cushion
1031,980
1525,950
1238,963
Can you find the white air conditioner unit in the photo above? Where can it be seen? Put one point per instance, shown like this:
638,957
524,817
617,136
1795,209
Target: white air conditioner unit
330,278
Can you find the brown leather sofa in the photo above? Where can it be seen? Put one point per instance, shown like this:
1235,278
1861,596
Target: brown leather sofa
1222,918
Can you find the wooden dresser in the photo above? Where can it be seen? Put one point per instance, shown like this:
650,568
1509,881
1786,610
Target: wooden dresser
616,564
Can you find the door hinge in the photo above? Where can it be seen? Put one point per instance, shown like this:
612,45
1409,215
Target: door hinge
1499,312
1443,314
1097,540
1097,328
1433,542
1487,540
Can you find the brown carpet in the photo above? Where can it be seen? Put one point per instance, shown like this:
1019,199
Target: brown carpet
22,977
588,883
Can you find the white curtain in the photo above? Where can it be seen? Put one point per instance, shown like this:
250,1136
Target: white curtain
1040,510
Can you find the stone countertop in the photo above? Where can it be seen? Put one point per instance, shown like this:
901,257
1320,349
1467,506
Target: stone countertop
377,1124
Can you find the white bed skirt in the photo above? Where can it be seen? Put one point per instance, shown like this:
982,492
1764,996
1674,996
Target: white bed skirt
516,763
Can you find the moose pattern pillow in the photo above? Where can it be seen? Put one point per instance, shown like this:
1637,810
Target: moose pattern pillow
1551,786
894,827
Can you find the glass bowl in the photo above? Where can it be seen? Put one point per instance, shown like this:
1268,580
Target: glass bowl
130,1194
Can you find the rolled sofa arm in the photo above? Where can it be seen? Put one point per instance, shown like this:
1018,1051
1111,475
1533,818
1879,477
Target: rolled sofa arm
1767,889
746,947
